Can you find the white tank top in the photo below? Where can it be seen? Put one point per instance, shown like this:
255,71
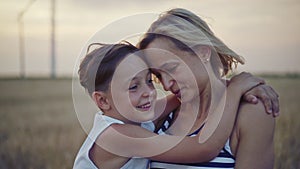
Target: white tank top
101,122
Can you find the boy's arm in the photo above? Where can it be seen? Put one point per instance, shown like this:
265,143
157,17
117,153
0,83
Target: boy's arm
131,140
215,134
164,107
267,95
191,151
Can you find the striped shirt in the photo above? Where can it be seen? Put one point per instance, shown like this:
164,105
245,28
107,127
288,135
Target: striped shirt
225,158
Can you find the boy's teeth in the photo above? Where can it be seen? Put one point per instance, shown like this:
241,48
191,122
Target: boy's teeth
145,106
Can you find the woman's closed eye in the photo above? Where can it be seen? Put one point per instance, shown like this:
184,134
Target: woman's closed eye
171,67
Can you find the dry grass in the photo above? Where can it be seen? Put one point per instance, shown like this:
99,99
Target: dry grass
39,128
287,140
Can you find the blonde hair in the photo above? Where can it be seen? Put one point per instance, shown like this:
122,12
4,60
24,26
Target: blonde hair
189,29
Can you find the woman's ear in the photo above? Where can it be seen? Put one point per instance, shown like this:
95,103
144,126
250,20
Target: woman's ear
101,100
203,52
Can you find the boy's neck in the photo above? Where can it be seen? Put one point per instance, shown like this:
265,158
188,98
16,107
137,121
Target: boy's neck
118,116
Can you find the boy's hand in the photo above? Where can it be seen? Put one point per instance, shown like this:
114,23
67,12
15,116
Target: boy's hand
267,95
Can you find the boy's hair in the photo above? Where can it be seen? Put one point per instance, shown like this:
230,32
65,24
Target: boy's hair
97,67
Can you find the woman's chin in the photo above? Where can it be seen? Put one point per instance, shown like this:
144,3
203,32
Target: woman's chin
186,97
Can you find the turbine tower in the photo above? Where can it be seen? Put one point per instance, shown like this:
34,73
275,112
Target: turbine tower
22,42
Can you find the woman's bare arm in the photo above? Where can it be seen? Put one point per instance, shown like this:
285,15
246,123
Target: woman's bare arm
255,132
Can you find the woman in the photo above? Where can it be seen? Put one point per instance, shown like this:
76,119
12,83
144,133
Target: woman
183,34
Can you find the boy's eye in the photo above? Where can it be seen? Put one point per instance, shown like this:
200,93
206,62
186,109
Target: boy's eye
133,87
150,81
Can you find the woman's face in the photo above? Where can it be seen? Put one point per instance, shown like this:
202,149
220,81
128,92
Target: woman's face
132,90
179,71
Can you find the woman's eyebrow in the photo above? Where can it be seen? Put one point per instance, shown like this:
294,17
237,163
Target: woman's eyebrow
166,64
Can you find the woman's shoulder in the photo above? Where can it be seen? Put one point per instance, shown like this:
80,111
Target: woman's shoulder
252,123
254,113
253,117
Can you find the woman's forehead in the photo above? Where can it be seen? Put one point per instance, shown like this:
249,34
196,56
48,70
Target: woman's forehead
164,48
156,57
162,43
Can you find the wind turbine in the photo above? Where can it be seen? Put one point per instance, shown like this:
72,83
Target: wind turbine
22,42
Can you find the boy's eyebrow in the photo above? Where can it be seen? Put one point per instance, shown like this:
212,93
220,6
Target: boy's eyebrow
134,78
137,77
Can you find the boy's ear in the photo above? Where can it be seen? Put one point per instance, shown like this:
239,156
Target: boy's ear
100,98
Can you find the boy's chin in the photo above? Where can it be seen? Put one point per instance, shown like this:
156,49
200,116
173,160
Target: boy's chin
145,117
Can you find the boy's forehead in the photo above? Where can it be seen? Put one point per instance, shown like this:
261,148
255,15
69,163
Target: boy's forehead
130,67
134,61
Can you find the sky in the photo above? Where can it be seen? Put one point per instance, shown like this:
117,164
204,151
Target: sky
266,33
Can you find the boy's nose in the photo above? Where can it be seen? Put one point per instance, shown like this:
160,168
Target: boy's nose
149,92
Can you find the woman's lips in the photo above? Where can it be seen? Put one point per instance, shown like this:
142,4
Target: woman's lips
177,94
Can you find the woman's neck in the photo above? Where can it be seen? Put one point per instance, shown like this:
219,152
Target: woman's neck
210,97
195,112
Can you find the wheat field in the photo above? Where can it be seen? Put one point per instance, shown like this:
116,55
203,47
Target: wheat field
39,128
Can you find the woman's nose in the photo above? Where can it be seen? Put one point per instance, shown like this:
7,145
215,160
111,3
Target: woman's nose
167,83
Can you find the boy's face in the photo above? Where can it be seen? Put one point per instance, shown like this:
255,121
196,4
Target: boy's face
132,90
